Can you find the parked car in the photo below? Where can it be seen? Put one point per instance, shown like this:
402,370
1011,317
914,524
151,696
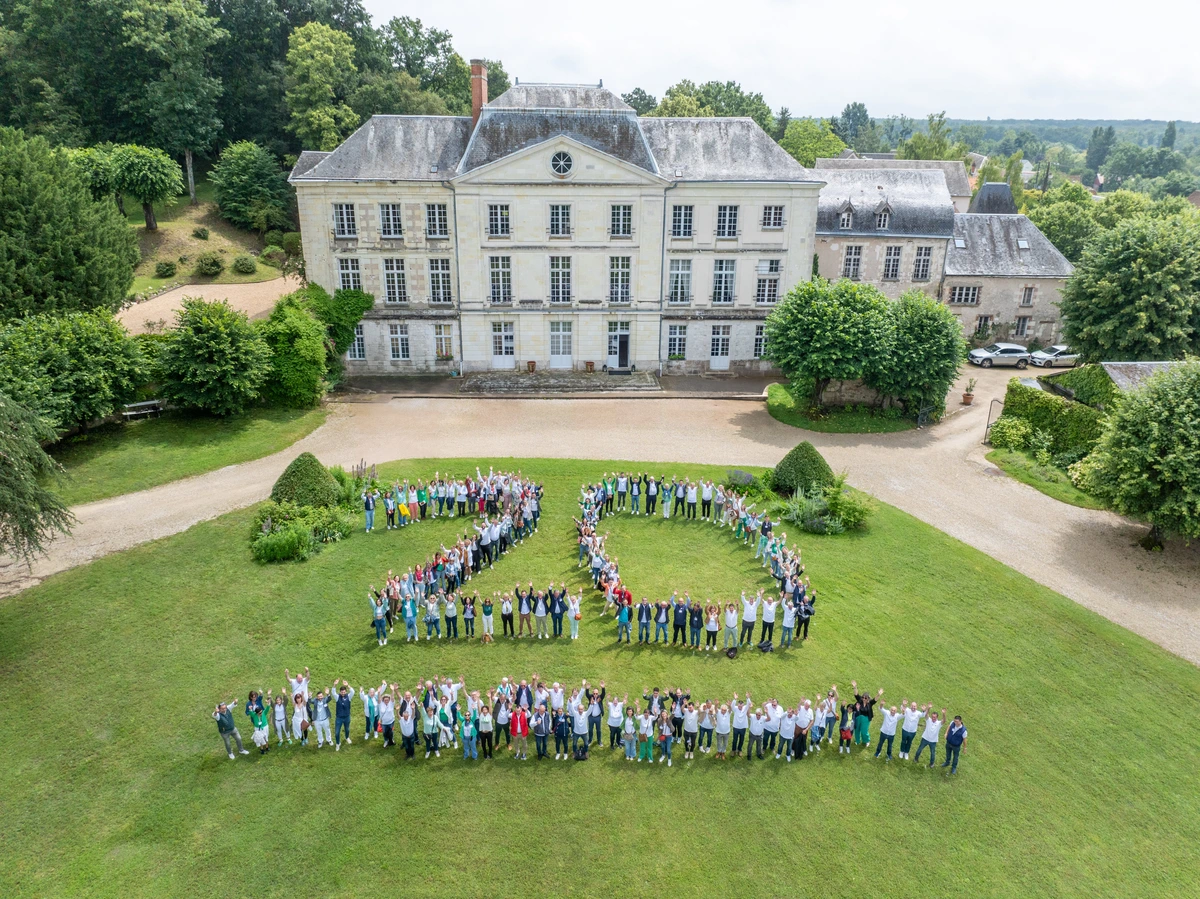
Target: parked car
1052,356
1000,354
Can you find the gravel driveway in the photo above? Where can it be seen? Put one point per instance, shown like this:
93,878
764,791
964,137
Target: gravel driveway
256,299
938,475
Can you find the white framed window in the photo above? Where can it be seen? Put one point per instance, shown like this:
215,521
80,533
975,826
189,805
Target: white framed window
395,288
439,281
621,221
560,279
680,287
766,290
443,341
358,346
883,220
1021,326
677,340
1026,296
560,220
398,341
852,263
344,224
390,222
772,217
560,338
498,223
720,340
349,275
560,163
619,271
724,279
504,340
437,223
923,263
964,296
727,221
983,324
760,340
891,263
500,270
681,221
846,220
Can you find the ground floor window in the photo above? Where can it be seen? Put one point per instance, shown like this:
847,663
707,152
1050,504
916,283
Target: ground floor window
760,340
560,338
398,335
720,340
677,340
358,346
1021,326
443,344
983,324
504,340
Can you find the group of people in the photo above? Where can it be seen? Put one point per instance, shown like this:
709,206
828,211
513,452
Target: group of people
504,496
443,713
690,619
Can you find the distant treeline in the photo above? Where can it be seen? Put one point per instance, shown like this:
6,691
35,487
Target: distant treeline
1077,132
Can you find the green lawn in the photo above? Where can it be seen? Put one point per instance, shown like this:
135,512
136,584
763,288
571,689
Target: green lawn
784,407
122,458
1049,480
1074,782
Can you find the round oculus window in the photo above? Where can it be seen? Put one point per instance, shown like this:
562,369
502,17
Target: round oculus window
560,163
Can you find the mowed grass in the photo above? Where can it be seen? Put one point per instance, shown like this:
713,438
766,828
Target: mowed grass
785,406
1046,478
136,455
1075,780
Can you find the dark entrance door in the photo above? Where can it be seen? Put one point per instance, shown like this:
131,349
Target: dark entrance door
623,351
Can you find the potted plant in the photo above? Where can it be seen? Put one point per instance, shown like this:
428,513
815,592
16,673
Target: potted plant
969,393
532,365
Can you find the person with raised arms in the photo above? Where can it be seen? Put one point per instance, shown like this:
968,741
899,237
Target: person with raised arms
933,729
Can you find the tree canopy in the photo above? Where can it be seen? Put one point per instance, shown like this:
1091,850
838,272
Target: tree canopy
642,102
320,75
30,513
148,174
809,139
251,189
713,98
934,143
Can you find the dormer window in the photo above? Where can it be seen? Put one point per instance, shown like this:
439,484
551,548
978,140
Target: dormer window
846,222
1022,243
882,220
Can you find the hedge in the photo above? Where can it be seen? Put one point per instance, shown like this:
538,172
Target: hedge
1089,383
306,482
1073,427
801,469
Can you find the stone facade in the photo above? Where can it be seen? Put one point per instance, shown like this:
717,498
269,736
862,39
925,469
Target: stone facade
874,251
1020,310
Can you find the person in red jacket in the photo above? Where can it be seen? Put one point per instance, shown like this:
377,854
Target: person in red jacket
520,732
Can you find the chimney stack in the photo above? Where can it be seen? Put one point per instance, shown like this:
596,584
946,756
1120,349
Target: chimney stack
479,96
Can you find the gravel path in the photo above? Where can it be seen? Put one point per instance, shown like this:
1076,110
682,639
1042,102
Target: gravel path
256,299
938,475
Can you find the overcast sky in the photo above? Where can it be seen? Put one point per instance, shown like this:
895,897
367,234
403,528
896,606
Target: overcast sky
1048,59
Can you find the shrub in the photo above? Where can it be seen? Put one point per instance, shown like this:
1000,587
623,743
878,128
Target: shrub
297,342
1090,384
200,233
306,482
1073,427
209,264
847,506
291,543
274,237
349,489
291,243
245,265
250,188
164,270
801,469
1010,432
215,360
272,255
1039,444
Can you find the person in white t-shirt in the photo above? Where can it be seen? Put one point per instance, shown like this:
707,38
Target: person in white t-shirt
722,719
749,617
731,620
891,718
908,730
933,729
804,720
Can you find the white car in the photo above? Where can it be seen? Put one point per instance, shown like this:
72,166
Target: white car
1000,354
1058,355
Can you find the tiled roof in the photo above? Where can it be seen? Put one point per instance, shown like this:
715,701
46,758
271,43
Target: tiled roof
916,199
1002,246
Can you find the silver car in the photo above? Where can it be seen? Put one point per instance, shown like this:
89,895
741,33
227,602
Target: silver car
1000,354
1058,355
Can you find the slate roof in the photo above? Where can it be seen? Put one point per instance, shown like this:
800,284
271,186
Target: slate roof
559,96
504,131
955,172
917,199
993,198
718,149
1132,375
305,162
395,148
992,249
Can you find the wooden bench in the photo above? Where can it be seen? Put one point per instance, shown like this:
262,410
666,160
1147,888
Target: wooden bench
144,409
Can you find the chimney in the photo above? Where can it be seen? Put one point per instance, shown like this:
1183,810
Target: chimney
479,95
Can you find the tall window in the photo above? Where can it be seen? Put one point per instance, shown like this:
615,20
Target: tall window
923,263
498,220
398,339
680,289
560,338
772,217
560,220
439,281
560,279
358,346
504,341
501,274
349,276
344,224
436,222
395,290
964,296
760,340
1021,326
767,289
1026,296
443,344
983,324
882,220
852,263
621,224
681,221
846,220
677,340
723,280
891,263
389,220
727,221
619,268
720,340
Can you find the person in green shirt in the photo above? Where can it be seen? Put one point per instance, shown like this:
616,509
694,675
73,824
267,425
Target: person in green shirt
258,718
422,498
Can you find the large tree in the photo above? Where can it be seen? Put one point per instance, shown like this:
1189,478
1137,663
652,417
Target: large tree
1101,144
686,99
857,129
643,103
808,139
60,249
921,354
320,76
148,174
30,513
395,93
1066,225
933,143
1135,294
251,189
